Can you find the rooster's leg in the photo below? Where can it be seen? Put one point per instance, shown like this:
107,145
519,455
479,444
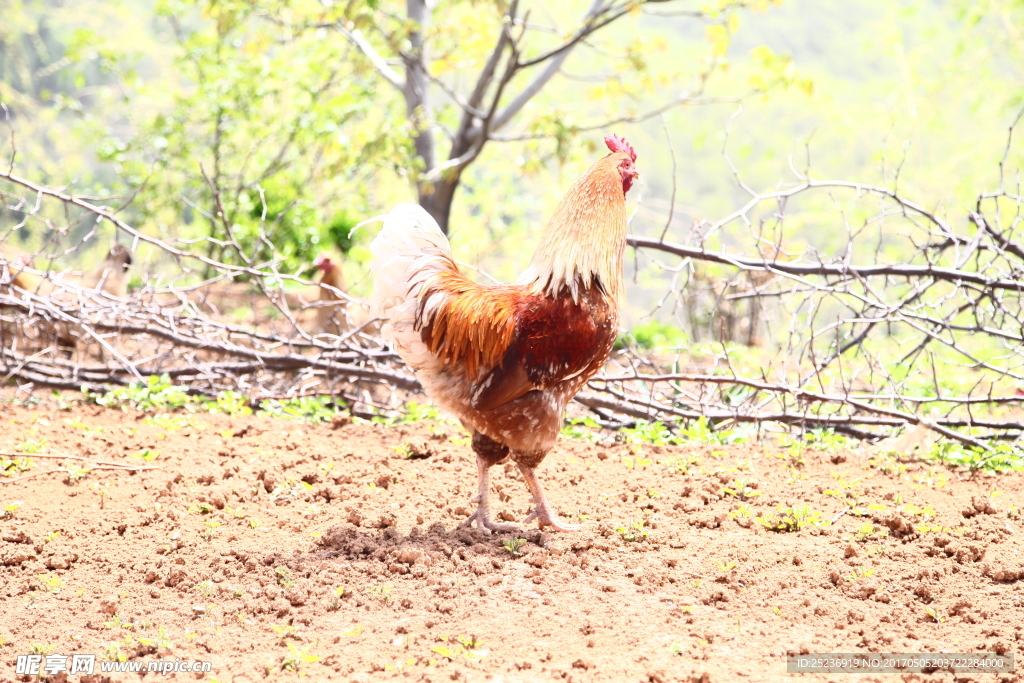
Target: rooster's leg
483,511
542,510
488,452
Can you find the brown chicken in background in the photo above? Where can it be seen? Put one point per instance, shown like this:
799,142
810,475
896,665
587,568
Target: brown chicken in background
110,277
506,359
332,306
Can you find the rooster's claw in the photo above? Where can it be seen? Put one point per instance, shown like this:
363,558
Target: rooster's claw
487,525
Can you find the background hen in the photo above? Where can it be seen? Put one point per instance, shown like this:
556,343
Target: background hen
506,359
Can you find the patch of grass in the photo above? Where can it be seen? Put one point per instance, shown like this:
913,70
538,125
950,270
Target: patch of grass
649,433
414,414
887,465
700,430
860,573
792,519
205,588
115,622
160,641
76,472
933,478
637,462
742,511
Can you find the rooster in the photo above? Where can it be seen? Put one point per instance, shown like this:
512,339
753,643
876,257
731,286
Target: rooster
506,359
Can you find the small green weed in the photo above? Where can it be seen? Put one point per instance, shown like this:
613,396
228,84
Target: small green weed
466,648
380,592
32,446
9,466
52,582
633,530
792,519
726,567
297,658
284,577
147,455
742,489
513,546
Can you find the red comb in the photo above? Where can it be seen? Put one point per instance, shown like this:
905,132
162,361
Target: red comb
617,144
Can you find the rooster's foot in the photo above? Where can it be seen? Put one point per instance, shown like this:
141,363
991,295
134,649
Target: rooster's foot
487,525
547,518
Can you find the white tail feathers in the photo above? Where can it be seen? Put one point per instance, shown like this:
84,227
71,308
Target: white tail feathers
407,253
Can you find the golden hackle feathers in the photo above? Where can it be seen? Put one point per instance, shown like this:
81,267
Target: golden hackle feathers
585,239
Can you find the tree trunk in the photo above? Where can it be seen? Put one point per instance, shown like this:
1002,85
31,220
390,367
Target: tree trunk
437,199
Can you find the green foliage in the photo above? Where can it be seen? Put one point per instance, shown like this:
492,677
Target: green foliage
1003,457
651,433
303,408
230,403
158,393
700,430
826,439
582,428
654,334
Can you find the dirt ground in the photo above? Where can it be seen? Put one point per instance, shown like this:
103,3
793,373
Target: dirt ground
274,548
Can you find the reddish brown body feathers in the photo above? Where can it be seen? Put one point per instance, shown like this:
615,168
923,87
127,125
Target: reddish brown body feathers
506,359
